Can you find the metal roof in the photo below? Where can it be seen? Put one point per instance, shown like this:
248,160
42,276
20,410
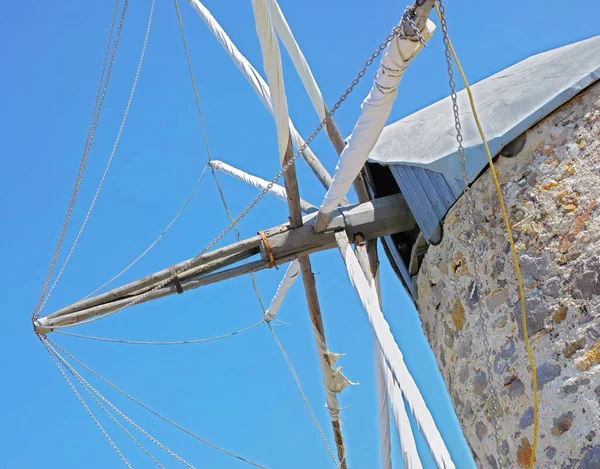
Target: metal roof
508,103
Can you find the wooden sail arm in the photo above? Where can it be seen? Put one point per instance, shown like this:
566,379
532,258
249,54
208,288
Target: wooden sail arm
380,217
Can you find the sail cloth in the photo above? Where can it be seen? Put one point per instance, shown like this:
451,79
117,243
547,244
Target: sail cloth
394,359
291,275
293,49
275,190
334,380
254,78
274,71
376,109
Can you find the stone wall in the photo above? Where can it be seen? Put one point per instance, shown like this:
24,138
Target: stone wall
552,193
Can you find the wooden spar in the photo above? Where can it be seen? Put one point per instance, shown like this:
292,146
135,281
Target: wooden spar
380,217
276,190
248,246
312,299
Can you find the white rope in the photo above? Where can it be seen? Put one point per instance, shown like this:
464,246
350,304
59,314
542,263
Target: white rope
153,412
98,103
146,342
155,242
85,406
111,157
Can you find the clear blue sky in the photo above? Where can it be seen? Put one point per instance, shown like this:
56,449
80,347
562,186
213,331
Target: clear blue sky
237,392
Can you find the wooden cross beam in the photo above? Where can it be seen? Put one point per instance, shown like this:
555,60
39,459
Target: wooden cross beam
380,217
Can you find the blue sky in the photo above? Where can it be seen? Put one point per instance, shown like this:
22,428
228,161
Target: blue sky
237,392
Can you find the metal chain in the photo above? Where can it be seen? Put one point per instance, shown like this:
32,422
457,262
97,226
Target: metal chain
119,424
299,386
85,406
154,243
483,310
84,382
395,31
111,157
153,412
145,342
205,137
98,103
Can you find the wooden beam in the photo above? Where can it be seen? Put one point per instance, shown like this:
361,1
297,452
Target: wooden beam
248,247
380,217
312,299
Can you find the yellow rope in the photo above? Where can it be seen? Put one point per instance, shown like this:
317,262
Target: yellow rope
513,249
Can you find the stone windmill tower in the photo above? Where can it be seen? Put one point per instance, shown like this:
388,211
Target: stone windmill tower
542,121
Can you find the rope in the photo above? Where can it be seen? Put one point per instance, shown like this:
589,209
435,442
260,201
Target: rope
85,406
85,383
513,249
145,342
98,103
153,412
111,157
154,243
299,385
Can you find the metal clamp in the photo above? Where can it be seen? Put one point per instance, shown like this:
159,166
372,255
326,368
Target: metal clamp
265,240
176,280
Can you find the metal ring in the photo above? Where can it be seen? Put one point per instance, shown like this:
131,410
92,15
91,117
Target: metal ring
268,248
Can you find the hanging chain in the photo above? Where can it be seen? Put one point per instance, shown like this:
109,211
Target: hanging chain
111,157
153,412
396,31
98,103
290,366
146,342
155,242
85,406
483,309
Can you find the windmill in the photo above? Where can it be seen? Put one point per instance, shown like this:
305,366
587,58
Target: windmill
351,229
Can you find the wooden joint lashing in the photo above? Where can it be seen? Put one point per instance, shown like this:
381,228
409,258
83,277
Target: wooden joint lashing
267,246
176,280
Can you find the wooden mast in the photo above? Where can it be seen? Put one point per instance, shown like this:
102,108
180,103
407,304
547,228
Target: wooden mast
312,299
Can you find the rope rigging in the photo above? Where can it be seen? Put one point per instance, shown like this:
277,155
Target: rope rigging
450,51
98,103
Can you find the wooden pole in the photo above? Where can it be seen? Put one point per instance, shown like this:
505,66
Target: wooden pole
314,308
248,247
374,219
